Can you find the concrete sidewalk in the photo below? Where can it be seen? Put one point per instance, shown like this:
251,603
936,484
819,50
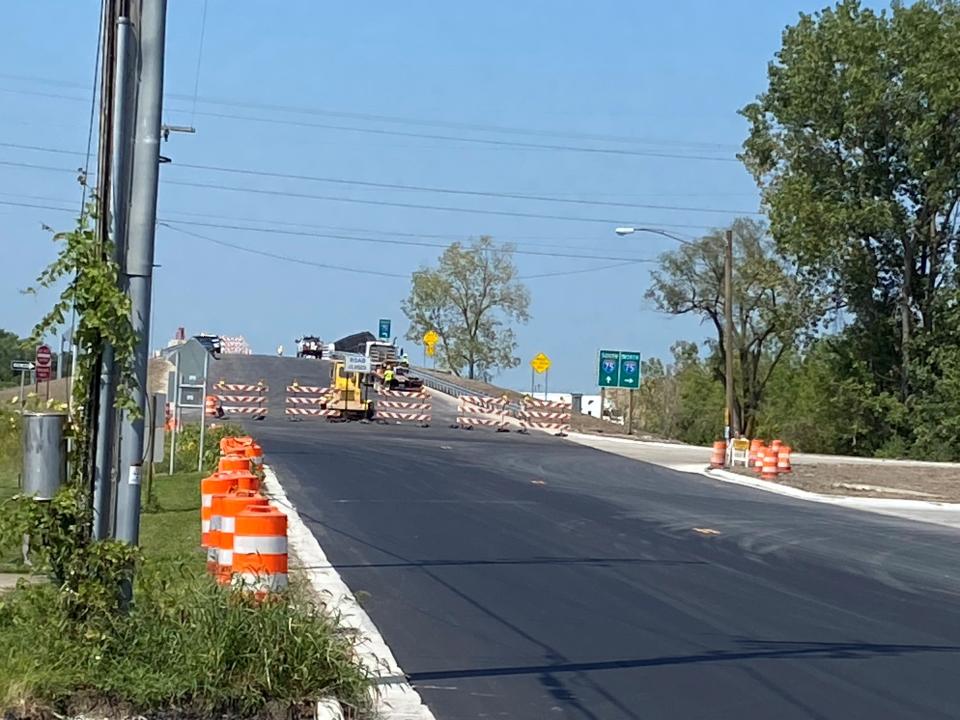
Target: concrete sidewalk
690,459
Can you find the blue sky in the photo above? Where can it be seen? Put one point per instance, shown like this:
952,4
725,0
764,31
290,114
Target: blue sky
668,76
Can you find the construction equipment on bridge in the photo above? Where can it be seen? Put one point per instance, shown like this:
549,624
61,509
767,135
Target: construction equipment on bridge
480,410
349,394
544,415
310,346
308,401
252,401
408,407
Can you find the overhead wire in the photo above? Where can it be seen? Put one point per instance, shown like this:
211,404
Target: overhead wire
196,81
278,256
383,118
416,188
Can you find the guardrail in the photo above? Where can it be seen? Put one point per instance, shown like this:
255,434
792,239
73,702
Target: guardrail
435,381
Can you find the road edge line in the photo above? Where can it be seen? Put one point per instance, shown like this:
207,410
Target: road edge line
394,697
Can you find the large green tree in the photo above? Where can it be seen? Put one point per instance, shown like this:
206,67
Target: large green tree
855,145
469,299
771,309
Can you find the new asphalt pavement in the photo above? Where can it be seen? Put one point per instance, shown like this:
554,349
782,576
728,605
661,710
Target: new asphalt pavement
529,577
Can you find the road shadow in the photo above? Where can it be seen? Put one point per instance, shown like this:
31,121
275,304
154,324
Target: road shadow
753,650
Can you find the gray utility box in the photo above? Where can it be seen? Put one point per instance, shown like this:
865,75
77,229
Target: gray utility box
44,453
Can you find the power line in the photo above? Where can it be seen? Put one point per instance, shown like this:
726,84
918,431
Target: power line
457,191
277,256
488,142
416,206
196,82
576,272
382,118
421,188
408,243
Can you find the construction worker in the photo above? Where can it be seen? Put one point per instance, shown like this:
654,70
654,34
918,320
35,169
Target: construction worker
389,377
404,360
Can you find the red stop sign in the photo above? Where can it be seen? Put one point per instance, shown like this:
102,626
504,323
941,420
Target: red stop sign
44,362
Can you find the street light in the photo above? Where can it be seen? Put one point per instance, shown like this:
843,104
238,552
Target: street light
727,315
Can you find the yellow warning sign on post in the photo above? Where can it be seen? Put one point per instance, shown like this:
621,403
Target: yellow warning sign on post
430,337
540,363
431,350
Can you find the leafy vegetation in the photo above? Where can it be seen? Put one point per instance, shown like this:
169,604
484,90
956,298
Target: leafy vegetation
185,647
469,299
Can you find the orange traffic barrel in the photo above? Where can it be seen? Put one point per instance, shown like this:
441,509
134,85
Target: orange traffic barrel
719,456
758,462
255,453
216,484
260,550
776,445
226,508
234,445
769,470
234,462
755,446
783,459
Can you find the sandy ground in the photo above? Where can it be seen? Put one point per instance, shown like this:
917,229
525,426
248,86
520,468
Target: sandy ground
876,481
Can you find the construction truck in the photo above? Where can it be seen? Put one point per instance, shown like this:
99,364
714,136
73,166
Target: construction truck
380,354
310,346
347,394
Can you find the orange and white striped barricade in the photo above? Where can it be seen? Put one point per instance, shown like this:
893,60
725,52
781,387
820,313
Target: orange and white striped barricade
243,399
309,401
544,415
762,450
223,523
482,411
259,554
405,407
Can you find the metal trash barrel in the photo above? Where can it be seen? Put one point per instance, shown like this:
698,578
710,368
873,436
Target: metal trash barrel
44,453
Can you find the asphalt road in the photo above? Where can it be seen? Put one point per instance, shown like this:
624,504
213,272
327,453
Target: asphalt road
529,577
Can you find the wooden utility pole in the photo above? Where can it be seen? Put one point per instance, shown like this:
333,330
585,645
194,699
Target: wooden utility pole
732,428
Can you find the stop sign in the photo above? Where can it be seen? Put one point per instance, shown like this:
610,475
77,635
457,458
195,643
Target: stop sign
44,363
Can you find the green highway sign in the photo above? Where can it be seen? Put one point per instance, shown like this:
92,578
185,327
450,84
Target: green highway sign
629,369
618,369
609,369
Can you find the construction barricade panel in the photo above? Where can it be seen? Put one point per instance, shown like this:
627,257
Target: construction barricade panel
544,415
308,401
242,399
404,407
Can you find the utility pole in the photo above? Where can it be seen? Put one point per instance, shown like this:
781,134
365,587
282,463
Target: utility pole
139,256
732,426
119,189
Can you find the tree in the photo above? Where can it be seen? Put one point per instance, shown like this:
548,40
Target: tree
469,299
855,145
771,308
10,350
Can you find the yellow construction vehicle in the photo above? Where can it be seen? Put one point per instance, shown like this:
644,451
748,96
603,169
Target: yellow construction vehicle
347,394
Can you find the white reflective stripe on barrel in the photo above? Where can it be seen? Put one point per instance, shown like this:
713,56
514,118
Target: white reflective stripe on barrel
227,523
260,581
205,526
225,557
260,544
207,500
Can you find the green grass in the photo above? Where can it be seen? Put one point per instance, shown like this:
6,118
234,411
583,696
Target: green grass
187,648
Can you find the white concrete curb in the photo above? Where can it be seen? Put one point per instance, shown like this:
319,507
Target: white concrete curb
394,698
940,513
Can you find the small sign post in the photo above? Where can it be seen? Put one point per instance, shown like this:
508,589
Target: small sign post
540,364
44,361
24,367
